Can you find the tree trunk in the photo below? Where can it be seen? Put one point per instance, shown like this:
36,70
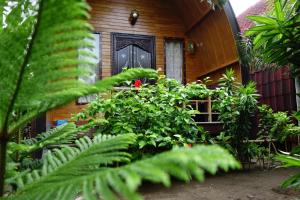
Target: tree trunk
3,146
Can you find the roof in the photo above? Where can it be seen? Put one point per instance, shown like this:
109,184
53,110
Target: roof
258,9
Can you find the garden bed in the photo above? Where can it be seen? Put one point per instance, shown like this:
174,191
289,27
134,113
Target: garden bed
246,185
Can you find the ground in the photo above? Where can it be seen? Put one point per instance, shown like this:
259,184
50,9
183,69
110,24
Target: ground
249,185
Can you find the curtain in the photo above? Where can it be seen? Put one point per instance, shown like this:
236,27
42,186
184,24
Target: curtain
174,60
94,71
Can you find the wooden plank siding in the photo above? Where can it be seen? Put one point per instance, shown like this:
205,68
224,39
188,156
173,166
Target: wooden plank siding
185,19
157,18
215,48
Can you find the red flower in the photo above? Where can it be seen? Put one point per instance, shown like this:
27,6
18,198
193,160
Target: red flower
137,83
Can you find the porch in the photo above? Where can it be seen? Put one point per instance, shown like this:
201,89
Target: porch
185,39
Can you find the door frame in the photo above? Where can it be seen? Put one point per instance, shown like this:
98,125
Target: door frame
166,39
145,42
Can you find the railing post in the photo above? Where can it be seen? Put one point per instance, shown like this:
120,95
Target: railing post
209,109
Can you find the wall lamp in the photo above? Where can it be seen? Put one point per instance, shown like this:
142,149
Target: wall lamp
134,15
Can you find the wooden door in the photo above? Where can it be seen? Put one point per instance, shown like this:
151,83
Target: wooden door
132,51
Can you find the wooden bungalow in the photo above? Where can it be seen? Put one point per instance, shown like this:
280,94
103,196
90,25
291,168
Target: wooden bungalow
186,39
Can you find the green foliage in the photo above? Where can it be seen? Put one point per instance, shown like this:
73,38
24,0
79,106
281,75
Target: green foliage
275,125
159,114
277,36
85,170
236,104
228,83
266,119
63,134
250,58
225,141
253,150
290,161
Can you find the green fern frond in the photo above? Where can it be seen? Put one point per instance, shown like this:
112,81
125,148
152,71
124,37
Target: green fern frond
33,49
83,156
85,170
60,135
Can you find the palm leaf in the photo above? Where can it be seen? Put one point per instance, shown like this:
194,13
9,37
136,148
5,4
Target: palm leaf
279,11
87,169
263,20
290,161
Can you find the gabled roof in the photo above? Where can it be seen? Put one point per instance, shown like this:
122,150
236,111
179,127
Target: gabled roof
257,9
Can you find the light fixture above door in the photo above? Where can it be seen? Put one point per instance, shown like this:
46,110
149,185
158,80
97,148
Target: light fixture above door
134,15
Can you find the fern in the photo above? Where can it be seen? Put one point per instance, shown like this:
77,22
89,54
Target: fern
60,135
87,169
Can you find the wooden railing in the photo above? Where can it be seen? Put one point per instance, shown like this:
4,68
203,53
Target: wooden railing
206,114
205,107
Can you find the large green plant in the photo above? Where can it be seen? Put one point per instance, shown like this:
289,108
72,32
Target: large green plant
277,35
159,114
41,43
236,104
292,160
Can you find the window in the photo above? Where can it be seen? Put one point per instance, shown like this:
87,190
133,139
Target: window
174,59
95,72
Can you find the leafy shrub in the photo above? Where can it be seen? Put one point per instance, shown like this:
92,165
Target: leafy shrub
253,150
236,104
275,125
159,114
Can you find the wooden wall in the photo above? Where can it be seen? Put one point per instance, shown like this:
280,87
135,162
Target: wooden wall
214,39
186,19
157,18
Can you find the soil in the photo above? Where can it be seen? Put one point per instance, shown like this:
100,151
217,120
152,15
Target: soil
245,185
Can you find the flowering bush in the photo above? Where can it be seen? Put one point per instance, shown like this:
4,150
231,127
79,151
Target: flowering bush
159,114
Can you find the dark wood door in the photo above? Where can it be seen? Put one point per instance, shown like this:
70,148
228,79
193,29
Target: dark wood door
132,51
